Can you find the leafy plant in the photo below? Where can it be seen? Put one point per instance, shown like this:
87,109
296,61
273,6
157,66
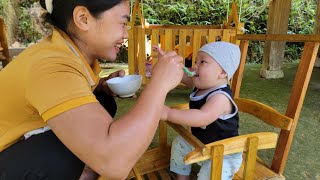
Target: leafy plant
26,32
253,13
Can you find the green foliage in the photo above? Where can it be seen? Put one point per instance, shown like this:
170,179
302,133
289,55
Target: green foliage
1,8
27,33
190,12
253,13
205,12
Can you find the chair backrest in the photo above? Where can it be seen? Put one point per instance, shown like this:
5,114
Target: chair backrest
287,121
4,51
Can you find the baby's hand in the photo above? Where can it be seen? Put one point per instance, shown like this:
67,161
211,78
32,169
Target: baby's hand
165,113
158,50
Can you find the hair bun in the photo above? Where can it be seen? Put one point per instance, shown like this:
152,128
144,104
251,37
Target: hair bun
49,6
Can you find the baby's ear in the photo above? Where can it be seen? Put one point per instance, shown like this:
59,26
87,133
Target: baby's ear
223,74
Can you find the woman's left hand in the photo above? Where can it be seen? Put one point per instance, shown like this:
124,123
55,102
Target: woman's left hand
103,86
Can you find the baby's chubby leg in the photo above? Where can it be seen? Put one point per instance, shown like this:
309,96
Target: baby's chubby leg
180,148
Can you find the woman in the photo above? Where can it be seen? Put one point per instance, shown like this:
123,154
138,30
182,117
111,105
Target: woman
49,86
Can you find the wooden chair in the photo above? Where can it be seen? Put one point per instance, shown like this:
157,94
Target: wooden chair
4,51
253,167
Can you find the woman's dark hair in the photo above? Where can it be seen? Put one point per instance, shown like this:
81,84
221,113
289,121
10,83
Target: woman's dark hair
63,10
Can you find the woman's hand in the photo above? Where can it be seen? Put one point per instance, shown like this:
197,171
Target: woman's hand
103,84
168,70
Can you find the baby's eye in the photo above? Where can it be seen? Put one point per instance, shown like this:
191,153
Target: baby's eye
202,62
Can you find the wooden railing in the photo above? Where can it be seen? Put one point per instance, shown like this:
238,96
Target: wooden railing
183,39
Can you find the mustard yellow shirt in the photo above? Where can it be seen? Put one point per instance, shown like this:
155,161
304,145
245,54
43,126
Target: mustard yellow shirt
45,80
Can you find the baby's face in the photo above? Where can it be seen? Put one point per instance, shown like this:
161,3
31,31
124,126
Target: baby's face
208,71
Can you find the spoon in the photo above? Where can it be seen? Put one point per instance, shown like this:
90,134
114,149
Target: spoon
189,73
186,70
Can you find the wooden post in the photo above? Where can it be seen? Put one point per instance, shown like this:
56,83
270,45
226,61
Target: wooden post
278,19
237,77
317,31
132,39
297,96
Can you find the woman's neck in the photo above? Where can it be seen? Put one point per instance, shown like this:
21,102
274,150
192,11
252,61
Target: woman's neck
83,49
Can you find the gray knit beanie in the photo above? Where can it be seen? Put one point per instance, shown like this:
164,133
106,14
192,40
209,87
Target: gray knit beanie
226,54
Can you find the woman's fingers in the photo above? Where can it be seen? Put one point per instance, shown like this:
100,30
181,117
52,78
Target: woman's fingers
168,70
119,73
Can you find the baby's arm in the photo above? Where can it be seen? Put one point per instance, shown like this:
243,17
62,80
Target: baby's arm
215,106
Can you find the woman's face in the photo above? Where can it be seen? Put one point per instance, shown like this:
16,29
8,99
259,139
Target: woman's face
108,31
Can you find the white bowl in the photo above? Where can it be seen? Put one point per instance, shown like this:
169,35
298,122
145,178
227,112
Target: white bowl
125,86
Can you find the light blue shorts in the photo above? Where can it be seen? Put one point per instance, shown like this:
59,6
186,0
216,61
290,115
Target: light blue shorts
180,148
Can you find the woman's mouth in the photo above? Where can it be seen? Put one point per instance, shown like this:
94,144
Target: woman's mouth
117,47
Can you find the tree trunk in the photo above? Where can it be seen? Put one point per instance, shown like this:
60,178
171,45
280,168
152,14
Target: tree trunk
11,11
278,19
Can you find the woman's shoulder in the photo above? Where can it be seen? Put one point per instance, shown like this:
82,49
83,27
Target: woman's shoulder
51,49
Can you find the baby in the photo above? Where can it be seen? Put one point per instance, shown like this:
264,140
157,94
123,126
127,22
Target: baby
213,114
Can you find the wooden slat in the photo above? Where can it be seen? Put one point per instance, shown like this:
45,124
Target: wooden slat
131,45
232,145
251,157
163,134
137,174
182,43
142,54
152,176
153,160
164,174
237,77
157,26
181,106
280,37
261,172
264,113
154,42
213,33
196,44
226,35
168,40
216,162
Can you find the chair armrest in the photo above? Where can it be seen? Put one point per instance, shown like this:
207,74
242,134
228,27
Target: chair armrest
189,137
266,140
264,112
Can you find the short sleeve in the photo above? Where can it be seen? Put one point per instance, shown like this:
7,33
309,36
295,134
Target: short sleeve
57,85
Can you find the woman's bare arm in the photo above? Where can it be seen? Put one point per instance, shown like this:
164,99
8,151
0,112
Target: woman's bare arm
111,148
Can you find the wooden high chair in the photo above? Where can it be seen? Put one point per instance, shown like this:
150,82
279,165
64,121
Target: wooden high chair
4,51
155,160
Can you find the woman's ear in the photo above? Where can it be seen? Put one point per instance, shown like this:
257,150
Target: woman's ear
81,17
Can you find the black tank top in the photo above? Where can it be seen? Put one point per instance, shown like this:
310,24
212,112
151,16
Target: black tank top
219,129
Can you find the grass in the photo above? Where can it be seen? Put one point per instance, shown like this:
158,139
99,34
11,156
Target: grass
304,160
